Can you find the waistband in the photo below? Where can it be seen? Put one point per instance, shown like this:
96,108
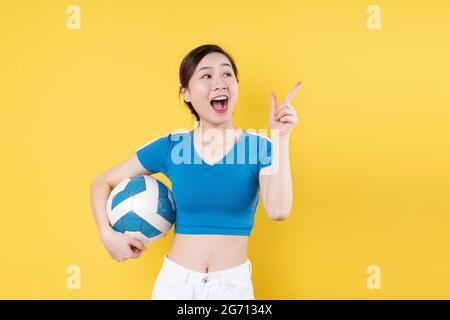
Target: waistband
244,267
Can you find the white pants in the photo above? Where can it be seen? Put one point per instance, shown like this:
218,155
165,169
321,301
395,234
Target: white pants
175,282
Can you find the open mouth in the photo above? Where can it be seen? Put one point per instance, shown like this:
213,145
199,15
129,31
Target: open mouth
219,105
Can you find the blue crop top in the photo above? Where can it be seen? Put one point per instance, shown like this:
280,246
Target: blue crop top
210,199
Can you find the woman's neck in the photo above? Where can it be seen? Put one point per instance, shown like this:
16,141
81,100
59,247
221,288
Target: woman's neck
204,127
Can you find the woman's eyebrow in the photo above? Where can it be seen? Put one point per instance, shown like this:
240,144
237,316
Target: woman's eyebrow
207,67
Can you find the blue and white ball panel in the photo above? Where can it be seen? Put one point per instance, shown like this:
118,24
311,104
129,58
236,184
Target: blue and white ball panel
166,205
154,209
141,207
121,208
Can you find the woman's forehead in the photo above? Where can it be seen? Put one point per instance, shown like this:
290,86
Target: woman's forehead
213,60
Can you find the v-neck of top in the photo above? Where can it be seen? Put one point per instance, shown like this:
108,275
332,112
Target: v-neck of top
222,158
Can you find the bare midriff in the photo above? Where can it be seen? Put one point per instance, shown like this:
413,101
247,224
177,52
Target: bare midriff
208,252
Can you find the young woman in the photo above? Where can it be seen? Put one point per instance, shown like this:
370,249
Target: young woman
215,194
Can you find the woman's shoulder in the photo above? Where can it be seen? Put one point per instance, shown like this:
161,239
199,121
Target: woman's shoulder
178,135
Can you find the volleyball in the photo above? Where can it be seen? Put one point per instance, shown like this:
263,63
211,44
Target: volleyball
141,207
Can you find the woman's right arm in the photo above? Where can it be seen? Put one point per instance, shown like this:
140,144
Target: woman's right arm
119,245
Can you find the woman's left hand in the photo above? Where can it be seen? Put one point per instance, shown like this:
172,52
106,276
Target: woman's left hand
283,117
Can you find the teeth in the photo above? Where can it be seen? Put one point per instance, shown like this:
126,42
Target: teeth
220,98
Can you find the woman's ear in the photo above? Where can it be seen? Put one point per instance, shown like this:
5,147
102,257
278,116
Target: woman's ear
185,94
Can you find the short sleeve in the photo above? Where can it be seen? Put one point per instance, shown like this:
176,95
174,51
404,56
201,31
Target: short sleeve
153,155
264,153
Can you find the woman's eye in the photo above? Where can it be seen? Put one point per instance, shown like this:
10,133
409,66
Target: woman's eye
229,74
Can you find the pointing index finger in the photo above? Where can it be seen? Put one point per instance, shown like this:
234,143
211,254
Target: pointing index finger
292,93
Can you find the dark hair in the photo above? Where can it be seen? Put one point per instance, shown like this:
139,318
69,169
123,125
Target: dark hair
190,62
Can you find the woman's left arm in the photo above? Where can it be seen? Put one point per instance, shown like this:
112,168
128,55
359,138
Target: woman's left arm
275,180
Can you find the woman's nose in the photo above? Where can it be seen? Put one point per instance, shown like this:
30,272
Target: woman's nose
219,86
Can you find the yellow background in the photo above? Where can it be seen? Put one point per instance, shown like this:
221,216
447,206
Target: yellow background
370,153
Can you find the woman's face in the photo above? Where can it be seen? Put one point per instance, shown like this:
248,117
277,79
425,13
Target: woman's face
213,77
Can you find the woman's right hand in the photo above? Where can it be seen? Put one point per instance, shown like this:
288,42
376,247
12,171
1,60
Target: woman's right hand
120,246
